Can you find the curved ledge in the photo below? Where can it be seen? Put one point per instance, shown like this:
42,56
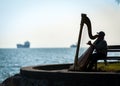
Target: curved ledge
60,71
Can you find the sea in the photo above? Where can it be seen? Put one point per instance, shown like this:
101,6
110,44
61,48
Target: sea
12,59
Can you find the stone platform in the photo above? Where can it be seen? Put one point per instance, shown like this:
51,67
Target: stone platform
58,75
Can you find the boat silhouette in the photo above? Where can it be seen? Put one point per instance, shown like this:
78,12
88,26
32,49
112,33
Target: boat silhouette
25,45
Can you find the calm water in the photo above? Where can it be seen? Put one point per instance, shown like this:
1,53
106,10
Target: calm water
11,60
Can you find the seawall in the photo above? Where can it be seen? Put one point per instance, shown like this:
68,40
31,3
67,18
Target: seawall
58,75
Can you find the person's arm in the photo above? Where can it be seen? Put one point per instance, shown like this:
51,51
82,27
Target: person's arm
89,43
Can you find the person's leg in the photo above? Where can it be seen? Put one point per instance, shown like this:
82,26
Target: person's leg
102,56
93,59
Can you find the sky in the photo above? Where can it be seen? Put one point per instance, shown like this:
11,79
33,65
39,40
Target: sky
56,23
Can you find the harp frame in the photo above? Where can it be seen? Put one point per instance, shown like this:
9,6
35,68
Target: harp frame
79,63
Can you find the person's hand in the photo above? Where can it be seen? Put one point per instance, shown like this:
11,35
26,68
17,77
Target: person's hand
89,43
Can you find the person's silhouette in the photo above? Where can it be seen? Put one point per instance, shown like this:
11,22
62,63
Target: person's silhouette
100,47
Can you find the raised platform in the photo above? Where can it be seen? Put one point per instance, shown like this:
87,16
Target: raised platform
59,73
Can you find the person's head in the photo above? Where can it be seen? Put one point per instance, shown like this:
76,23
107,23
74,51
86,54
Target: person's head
101,35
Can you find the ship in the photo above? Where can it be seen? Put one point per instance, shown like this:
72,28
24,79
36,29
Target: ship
73,46
25,45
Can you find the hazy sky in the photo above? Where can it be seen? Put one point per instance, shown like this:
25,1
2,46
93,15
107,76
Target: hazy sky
56,23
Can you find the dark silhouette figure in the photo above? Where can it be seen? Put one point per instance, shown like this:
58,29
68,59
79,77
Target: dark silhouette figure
100,50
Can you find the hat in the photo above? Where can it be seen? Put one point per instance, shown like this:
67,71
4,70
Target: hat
101,33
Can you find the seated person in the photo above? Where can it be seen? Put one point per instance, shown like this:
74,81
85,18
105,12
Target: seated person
100,47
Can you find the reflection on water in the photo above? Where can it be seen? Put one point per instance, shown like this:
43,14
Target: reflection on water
12,59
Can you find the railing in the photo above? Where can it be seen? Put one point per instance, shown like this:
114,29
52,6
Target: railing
111,48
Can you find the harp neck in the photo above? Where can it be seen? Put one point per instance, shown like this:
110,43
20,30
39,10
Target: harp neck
86,20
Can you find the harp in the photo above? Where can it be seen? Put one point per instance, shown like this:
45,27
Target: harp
81,62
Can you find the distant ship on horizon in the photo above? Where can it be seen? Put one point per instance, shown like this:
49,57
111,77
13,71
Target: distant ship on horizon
25,45
73,46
